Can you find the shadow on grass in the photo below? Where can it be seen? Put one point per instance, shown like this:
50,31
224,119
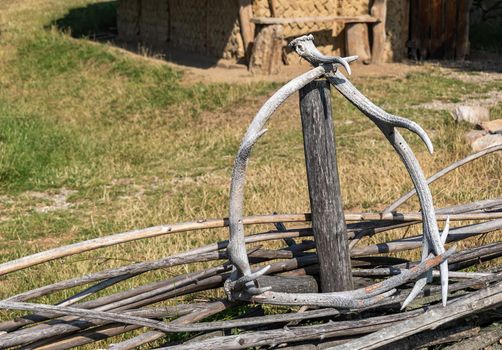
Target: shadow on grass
95,21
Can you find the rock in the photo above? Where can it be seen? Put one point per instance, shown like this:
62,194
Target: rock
473,135
492,126
471,114
486,142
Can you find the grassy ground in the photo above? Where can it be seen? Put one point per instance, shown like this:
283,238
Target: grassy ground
95,140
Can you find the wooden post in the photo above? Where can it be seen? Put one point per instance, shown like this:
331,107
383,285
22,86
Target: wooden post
247,27
462,47
379,10
328,222
266,54
357,41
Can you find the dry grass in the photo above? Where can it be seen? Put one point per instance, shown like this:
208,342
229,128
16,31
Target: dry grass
137,149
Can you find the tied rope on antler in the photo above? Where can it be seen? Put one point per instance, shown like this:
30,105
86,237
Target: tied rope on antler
242,282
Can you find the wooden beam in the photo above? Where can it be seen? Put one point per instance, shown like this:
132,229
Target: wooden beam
405,30
462,47
266,53
316,19
328,223
379,11
357,41
247,26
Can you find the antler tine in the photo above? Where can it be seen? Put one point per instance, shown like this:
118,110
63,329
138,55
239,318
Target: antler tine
305,47
356,298
387,123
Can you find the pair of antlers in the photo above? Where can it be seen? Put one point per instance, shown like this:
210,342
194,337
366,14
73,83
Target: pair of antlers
242,282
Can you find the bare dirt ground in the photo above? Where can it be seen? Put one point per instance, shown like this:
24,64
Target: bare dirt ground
482,67
237,73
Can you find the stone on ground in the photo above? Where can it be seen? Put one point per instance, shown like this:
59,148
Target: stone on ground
486,142
492,126
473,135
471,114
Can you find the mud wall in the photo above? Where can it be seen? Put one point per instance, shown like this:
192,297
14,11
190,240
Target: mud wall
211,27
204,27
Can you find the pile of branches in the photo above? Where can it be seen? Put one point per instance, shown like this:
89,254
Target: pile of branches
86,318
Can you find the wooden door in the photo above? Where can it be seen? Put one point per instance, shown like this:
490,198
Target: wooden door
439,29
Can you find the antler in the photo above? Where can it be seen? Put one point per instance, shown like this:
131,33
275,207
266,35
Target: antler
387,123
304,46
241,278
242,282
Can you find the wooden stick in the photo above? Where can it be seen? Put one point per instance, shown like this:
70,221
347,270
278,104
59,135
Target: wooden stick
456,234
408,243
434,338
151,293
483,340
57,328
100,242
295,264
469,283
473,207
391,271
286,335
113,329
247,26
379,11
91,315
94,289
470,304
416,216
202,254
30,335
239,323
119,238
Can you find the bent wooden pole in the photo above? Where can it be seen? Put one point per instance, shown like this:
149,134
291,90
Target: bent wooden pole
468,305
123,237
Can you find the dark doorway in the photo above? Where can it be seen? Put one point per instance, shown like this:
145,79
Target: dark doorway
439,29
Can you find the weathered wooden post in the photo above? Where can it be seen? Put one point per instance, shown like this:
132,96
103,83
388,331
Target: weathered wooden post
328,222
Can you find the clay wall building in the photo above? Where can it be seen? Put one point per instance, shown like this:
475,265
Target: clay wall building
212,28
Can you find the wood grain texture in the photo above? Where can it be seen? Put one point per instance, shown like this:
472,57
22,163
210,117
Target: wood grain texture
315,19
267,50
357,41
247,26
467,305
379,11
462,45
328,221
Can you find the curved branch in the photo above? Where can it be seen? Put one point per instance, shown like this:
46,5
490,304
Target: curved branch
236,247
356,298
387,123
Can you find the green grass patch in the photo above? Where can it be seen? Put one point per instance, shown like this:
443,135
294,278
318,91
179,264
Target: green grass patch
37,154
79,109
